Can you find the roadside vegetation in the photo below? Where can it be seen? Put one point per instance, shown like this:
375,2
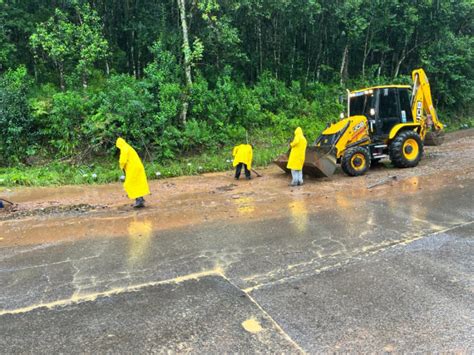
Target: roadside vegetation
184,89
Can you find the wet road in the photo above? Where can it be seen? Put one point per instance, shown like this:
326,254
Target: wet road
385,273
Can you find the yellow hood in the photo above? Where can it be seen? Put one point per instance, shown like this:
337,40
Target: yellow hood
121,143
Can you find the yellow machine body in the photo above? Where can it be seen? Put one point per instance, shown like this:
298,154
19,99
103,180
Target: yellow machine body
354,132
387,121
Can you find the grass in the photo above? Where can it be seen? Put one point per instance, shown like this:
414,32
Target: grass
101,172
106,171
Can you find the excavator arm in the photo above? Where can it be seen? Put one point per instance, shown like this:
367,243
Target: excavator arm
432,130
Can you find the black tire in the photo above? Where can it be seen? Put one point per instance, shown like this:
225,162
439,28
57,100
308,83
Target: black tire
406,149
356,161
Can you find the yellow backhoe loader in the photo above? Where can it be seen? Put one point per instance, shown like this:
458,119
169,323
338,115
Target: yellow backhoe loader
391,121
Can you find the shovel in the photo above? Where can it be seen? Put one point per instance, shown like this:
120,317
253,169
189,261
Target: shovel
256,173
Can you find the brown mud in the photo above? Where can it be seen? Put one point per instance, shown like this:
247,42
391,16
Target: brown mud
49,215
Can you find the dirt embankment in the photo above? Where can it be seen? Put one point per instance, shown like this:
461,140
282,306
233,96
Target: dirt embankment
71,212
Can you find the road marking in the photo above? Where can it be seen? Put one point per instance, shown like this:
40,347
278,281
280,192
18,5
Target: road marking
218,271
369,250
250,325
266,314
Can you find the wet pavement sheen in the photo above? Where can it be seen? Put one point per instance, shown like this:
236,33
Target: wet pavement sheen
382,274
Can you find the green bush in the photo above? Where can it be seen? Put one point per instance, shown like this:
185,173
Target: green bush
17,129
63,125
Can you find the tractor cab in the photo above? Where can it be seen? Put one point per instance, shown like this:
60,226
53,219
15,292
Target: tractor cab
383,106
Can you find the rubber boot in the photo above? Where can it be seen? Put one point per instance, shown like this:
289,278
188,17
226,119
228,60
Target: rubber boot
139,203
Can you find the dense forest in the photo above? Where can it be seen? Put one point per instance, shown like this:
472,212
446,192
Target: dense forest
179,77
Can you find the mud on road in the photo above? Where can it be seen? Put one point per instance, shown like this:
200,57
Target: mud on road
381,262
81,211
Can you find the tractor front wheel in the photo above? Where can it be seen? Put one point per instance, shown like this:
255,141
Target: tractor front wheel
356,161
406,149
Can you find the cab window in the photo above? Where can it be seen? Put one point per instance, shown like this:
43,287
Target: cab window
361,105
405,104
388,103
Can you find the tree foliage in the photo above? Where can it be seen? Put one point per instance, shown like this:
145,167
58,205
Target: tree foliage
16,126
107,67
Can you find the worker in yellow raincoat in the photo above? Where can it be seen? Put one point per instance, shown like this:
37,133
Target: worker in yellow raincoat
135,184
297,156
243,155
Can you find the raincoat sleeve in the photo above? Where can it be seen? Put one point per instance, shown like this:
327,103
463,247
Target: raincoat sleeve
295,141
237,154
136,183
123,158
250,159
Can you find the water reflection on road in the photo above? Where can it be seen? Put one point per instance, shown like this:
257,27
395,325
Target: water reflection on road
289,237
139,239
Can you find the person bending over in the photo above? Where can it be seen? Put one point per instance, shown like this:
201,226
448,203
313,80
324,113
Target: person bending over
135,183
243,155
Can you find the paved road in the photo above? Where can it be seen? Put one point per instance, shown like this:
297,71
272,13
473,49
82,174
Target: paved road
382,274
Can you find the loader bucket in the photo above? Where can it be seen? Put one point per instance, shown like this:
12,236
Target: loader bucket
319,162
434,138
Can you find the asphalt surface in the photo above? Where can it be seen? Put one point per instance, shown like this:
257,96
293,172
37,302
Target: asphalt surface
387,274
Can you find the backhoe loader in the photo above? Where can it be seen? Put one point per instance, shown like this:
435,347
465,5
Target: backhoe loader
391,121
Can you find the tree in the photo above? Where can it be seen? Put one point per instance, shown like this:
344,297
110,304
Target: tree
76,41
187,58
56,38
89,41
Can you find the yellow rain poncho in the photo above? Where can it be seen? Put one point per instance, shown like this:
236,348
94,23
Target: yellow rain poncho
298,151
135,183
243,154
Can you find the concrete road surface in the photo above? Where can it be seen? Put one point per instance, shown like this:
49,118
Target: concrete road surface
393,272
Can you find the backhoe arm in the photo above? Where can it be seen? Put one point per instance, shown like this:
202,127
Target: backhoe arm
423,103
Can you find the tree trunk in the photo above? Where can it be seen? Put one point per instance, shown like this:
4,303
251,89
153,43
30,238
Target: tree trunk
35,68
367,50
344,64
275,57
61,76
84,80
382,61
139,68
399,63
187,59
132,54
293,58
260,53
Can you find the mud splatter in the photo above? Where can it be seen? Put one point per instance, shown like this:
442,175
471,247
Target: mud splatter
252,326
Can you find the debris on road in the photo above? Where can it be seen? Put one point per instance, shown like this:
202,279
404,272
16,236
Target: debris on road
383,181
4,200
50,211
226,188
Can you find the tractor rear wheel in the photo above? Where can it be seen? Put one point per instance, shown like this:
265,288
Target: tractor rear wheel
356,161
406,149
